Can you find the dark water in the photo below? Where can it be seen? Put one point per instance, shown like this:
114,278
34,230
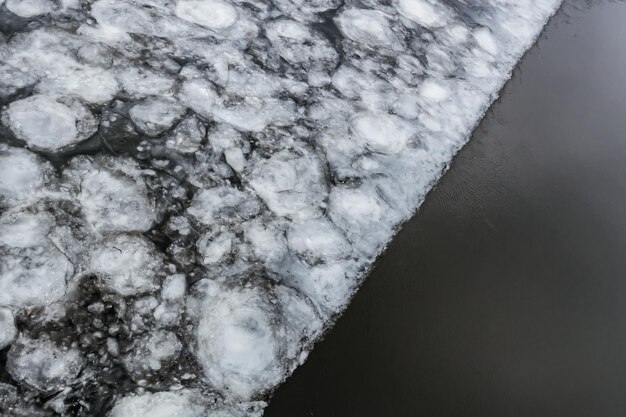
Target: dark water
506,294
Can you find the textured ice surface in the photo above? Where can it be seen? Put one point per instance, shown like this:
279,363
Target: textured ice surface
192,190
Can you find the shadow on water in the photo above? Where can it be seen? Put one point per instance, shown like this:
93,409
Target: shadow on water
506,294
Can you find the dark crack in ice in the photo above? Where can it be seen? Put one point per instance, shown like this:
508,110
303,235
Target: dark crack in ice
192,190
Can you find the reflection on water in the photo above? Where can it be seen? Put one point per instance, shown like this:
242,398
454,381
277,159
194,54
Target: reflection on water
505,296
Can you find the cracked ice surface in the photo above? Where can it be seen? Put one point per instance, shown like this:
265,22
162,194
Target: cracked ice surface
192,190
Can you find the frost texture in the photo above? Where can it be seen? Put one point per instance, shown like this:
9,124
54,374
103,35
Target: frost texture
192,190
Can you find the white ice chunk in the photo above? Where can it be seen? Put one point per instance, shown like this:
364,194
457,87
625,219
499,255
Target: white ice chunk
155,116
34,276
485,40
126,264
239,341
382,132
223,204
301,321
42,364
30,8
317,240
113,194
22,174
7,328
214,247
187,136
145,82
369,27
47,124
433,90
151,351
254,115
184,403
198,95
427,13
93,85
306,9
174,287
361,214
212,14
327,285
291,183
25,230
235,158
299,45
267,239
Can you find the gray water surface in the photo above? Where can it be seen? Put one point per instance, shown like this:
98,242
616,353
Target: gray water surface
506,294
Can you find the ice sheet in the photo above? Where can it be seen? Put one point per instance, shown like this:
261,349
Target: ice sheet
191,191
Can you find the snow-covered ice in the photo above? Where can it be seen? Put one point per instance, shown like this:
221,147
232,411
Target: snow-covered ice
191,191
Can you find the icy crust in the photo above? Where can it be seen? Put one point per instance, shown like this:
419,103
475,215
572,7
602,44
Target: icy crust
192,190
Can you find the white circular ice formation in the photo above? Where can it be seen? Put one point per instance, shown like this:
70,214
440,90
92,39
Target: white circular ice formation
433,90
43,365
184,403
381,132
223,204
30,8
33,272
240,340
34,277
151,351
22,174
426,13
301,46
155,116
317,240
212,14
112,194
126,264
24,230
369,27
306,8
7,328
215,247
291,183
46,124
